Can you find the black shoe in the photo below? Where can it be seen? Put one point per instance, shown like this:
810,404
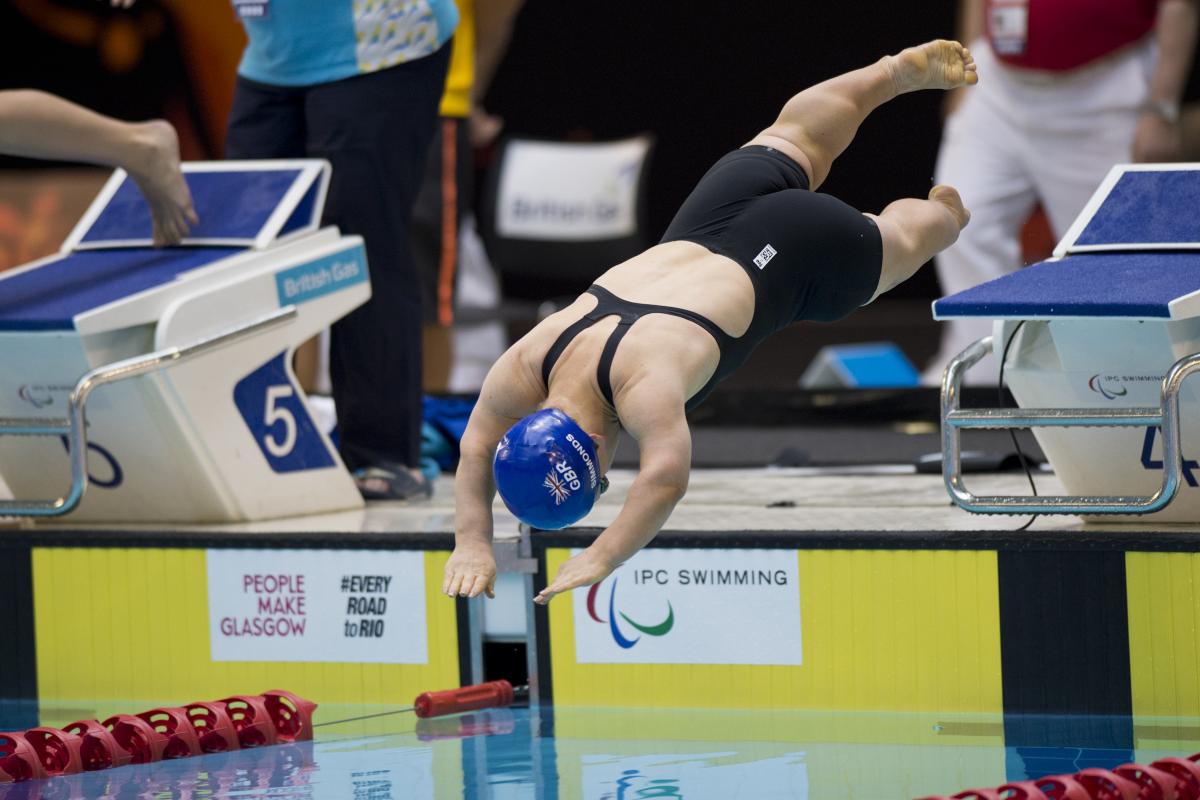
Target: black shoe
391,482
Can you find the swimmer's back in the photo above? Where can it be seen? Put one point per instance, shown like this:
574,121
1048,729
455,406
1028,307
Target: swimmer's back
686,275
677,274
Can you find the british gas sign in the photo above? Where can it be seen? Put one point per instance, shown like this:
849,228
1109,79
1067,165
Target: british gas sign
678,606
322,276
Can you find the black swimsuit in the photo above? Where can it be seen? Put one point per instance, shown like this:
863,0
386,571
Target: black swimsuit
809,256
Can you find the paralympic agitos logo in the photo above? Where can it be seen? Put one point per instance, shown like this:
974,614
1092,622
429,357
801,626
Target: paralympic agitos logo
1107,387
1110,387
661,629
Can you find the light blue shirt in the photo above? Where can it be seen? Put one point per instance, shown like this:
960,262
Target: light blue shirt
306,42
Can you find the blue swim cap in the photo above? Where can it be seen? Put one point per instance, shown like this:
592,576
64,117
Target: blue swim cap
547,471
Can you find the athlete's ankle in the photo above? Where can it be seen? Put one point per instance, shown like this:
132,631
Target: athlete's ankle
889,66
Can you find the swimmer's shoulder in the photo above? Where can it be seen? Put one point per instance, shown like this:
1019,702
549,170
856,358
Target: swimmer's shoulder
526,355
512,389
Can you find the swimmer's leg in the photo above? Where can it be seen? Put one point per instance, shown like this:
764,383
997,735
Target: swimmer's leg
914,231
39,125
816,125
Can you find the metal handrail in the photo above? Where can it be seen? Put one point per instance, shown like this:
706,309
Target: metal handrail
954,419
74,426
1003,418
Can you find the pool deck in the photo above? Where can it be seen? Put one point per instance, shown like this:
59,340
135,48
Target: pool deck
885,498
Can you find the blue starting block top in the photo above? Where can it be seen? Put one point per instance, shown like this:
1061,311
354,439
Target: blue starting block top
1119,285
107,257
1139,207
243,203
1133,253
50,296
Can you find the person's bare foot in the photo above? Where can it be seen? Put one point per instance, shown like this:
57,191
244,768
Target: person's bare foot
156,172
949,197
940,64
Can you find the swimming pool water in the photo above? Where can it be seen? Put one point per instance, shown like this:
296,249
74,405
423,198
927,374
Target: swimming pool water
613,754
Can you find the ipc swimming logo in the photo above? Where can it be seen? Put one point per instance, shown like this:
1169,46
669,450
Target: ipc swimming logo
1097,384
661,629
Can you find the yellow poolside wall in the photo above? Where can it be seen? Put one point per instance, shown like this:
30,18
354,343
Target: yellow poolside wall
131,625
1163,591
882,630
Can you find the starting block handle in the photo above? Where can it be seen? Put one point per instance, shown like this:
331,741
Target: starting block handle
74,427
1007,418
954,419
34,426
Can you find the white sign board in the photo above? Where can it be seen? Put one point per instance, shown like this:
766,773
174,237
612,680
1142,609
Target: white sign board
551,191
667,606
345,606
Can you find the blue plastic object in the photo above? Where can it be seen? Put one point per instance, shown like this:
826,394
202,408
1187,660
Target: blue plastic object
875,365
547,471
447,417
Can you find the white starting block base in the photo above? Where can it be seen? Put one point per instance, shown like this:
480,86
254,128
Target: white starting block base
1105,365
1100,326
224,437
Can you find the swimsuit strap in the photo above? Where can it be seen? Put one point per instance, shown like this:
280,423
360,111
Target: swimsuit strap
604,366
616,306
609,305
560,344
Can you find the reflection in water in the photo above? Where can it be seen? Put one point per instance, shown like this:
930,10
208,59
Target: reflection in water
279,771
614,754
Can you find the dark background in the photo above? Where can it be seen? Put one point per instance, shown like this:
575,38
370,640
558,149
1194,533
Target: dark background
704,80
701,77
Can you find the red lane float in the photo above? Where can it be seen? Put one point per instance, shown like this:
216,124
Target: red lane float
58,752
1186,772
18,760
1022,790
160,733
1153,783
1062,787
291,715
214,729
137,737
250,720
173,725
1165,779
1103,784
98,747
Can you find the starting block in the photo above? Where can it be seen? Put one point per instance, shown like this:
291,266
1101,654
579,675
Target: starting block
1101,336
162,378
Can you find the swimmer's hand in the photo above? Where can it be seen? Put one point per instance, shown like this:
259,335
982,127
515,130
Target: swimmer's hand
470,571
582,570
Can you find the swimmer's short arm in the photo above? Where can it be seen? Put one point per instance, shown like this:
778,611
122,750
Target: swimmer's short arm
503,400
474,489
665,444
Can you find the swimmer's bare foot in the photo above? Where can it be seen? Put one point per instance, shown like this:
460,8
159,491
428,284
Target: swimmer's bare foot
949,197
940,64
155,168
